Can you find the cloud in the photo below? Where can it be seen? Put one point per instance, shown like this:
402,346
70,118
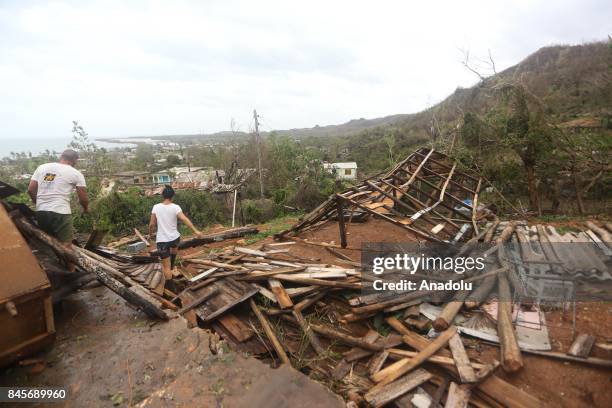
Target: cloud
143,68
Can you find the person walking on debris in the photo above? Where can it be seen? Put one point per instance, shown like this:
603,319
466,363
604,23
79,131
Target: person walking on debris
164,217
50,189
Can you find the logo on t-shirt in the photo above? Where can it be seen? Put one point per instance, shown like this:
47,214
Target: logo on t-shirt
49,177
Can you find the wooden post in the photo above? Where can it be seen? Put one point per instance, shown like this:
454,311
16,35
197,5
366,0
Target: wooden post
341,226
234,208
509,349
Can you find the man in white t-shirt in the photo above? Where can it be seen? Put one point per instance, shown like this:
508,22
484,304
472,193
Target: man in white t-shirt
50,189
164,218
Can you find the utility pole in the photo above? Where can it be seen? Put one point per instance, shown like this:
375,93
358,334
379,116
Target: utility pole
258,143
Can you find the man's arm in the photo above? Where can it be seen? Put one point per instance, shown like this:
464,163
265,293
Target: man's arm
187,222
83,198
33,190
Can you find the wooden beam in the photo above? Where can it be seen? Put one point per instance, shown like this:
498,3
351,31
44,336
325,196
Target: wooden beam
401,367
282,297
265,324
341,226
378,397
510,353
462,361
312,338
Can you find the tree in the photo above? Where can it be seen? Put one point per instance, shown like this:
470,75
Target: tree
144,155
97,162
173,160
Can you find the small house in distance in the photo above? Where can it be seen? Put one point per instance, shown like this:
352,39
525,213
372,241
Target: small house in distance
342,170
143,177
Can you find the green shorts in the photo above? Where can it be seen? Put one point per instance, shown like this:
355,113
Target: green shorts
55,224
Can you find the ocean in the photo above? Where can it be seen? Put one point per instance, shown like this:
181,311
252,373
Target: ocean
36,146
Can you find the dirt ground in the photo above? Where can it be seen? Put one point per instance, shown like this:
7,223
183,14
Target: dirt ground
107,354
555,383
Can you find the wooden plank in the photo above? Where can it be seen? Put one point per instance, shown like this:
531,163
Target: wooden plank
198,301
377,361
378,397
401,367
581,347
240,330
462,361
357,353
458,396
282,297
265,324
341,370
231,293
141,237
392,340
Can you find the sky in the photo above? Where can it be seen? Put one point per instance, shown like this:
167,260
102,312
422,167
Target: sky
131,68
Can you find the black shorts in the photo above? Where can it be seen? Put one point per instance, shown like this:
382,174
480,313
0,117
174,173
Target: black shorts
164,247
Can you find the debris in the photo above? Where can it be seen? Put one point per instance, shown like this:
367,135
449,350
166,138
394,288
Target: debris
392,390
458,396
462,361
581,347
403,366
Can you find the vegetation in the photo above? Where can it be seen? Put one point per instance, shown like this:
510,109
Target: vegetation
539,132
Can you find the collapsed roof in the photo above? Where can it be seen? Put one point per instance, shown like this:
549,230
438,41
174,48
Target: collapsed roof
426,194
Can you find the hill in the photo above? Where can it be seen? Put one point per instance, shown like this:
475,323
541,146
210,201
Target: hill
572,81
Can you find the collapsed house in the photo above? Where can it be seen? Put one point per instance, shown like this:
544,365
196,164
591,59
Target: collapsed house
425,194
313,312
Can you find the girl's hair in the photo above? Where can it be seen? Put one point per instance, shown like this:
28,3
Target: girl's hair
167,192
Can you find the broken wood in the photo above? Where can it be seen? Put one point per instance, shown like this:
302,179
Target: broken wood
401,367
462,361
493,386
312,338
282,297
383,395
581,347
458,396
446,317
437,359
241,331
141,237
197,302
265,324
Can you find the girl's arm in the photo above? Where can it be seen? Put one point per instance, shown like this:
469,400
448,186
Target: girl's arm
187,222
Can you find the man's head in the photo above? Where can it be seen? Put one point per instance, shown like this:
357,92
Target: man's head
168,192
69,157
